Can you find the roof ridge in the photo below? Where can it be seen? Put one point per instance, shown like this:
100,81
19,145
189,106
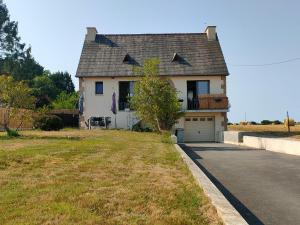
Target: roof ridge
141,34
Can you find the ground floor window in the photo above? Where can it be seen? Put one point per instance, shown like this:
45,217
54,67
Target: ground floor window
125,93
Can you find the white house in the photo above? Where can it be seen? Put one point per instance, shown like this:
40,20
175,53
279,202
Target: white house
194,62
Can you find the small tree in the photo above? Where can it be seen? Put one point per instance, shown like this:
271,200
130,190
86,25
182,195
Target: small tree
154,99
66,101
15,98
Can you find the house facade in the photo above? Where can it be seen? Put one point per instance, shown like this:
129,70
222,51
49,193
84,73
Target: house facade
193,62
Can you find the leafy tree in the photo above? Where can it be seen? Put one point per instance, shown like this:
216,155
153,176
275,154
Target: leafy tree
63,82
15,59
154,99
44,90
266,122
277,122
252,123
9,40
23,68
66,101
15,98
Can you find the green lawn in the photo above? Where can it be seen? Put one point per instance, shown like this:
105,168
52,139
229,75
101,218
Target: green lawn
97,177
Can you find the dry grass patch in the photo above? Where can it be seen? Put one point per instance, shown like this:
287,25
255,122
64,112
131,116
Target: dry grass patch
269,130
97,177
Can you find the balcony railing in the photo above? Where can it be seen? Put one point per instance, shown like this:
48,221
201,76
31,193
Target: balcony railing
208,101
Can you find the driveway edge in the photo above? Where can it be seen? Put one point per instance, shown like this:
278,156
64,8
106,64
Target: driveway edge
225,210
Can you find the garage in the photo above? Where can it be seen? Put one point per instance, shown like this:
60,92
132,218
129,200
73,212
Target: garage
199,129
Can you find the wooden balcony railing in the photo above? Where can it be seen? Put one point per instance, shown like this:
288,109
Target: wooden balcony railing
209,101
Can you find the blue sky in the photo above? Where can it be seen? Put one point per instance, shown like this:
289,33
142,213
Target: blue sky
250,32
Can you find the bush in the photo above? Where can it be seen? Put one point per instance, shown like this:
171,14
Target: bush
48,123
266,122
141,127
252,123
12,133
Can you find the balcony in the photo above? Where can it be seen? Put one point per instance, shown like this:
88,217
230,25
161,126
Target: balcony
209,102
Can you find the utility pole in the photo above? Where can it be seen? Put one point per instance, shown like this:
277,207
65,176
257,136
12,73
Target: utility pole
288,121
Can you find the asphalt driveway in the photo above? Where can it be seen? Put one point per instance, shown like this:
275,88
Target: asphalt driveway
263,186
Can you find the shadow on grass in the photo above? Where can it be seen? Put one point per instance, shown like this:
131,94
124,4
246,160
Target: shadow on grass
29,137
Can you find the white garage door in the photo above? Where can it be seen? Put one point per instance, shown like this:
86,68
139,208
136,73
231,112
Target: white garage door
199,129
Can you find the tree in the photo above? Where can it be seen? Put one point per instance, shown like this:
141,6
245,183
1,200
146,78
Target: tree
154,99
44,88
16,100
266,122
63,82
66,101
9,40
22,68
15,59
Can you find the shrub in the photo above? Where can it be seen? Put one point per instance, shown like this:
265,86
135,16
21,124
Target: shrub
12,133
48,123
266,122
252,123
141,127
229,123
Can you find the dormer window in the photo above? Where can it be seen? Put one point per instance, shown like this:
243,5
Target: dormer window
176,58
127,58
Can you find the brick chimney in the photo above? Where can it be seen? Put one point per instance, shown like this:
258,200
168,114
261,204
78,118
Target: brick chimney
91,34
211,33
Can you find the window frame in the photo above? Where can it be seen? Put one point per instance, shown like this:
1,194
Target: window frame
192,88
208,83
129,94
96,83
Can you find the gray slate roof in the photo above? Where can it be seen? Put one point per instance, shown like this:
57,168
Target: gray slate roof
198,56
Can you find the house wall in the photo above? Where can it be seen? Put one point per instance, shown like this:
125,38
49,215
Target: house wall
100,105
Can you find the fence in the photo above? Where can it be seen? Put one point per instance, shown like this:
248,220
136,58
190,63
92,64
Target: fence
15,122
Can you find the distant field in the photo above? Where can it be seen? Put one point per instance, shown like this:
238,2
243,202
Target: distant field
269,130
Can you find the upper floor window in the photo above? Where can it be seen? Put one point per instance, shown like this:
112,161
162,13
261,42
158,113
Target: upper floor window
195,88
99,88
202,87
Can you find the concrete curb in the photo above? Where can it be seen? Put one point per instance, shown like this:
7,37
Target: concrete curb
225,210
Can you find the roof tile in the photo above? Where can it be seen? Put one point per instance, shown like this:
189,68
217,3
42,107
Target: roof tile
104,57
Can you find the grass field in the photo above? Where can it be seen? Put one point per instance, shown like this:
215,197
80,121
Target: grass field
97,177
269,130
